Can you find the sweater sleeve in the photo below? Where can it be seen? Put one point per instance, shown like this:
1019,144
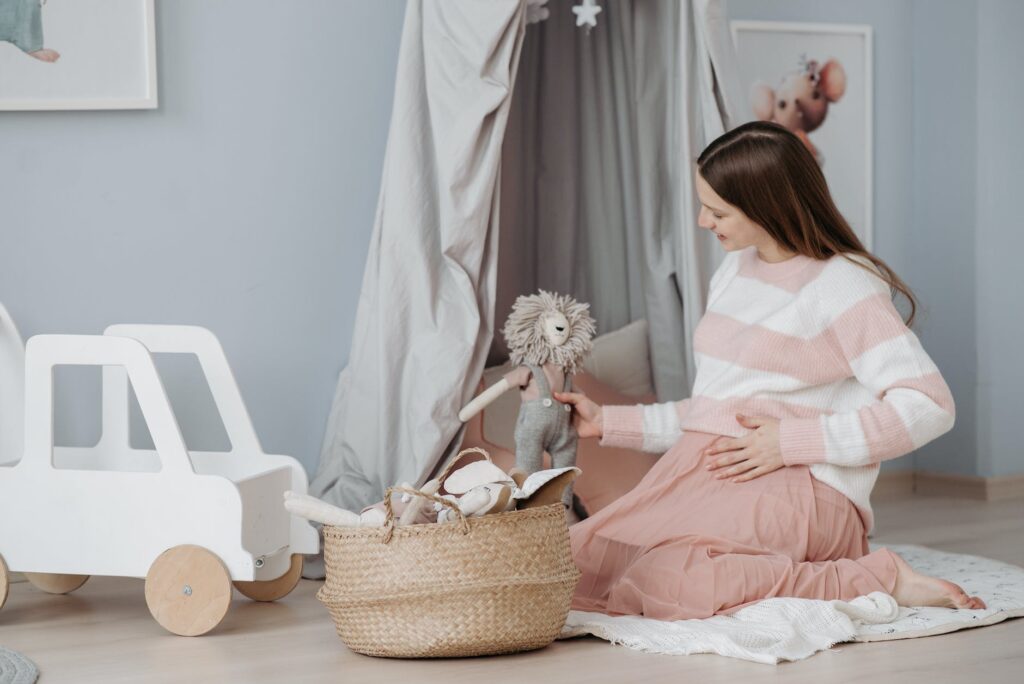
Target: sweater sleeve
654,428
912,404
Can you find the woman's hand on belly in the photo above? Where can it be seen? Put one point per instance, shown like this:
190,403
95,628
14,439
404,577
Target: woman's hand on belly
743,458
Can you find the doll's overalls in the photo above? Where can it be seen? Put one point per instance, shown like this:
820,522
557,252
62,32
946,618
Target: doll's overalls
545,423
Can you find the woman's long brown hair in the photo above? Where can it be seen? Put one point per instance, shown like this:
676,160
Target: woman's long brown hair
766,171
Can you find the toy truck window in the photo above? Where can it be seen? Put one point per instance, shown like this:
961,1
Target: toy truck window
191,401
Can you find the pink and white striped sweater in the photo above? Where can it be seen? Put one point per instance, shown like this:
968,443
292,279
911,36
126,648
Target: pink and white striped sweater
817,344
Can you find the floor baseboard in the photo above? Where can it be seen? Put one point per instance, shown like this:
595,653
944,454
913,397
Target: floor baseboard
894,483
928,483
1005,487
969,486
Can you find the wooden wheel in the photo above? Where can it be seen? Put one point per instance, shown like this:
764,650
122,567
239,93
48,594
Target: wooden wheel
53,583
188,590
272,590
5,582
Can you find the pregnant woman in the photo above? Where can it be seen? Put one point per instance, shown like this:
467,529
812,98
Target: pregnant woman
807,378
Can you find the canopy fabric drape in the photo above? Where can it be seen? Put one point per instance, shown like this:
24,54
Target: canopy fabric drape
596,170
709,104
426,311
599,203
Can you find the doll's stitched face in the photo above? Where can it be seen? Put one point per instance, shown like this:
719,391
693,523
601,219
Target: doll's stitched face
556,329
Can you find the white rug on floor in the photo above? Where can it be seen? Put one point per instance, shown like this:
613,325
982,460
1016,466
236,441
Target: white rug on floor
16,668
792,629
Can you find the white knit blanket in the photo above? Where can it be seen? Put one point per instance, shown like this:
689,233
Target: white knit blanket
793,629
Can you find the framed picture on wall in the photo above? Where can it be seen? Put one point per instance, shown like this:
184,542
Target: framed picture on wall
815,79
77,54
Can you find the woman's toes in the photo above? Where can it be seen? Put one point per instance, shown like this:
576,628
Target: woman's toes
956,596
960,598
915,589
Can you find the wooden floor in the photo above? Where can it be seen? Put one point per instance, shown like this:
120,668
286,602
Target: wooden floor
103,633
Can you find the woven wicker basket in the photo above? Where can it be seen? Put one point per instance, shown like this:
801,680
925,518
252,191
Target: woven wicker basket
499,583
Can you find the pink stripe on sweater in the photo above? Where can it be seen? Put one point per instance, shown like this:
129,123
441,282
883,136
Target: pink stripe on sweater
790,275
933,386
868,323
801,434
623,426
801,441
718,416
815,361
886,433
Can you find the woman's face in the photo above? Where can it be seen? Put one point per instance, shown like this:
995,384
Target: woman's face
729,224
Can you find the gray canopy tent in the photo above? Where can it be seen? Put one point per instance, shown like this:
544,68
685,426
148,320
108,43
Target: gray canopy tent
524,156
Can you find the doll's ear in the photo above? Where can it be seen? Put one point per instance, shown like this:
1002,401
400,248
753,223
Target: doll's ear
551,491
518,476
501,496
832,80
762,101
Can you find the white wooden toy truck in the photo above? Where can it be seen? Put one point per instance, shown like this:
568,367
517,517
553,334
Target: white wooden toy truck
190,523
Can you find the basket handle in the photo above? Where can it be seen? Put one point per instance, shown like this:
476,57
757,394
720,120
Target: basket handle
389,520
447,469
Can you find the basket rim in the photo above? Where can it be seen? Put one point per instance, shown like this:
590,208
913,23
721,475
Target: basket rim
325,596
491,519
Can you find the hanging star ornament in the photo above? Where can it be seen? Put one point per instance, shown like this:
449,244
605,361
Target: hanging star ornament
586,13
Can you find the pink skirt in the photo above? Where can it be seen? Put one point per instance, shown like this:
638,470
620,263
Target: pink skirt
684,545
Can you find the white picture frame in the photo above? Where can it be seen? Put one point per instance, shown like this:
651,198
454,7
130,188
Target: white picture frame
768,51
77,54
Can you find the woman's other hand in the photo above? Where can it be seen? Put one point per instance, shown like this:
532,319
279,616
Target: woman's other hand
586,415
754,454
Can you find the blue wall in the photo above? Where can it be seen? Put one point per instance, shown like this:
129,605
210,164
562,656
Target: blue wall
1000,275
243,204
942,233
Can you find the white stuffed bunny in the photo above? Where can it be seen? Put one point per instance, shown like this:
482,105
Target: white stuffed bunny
477,488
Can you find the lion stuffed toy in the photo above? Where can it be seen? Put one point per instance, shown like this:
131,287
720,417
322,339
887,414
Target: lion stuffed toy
548,336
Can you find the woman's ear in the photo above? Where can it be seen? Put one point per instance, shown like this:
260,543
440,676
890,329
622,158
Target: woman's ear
832,80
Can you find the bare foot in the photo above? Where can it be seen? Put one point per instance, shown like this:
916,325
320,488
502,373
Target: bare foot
915,589
45,55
